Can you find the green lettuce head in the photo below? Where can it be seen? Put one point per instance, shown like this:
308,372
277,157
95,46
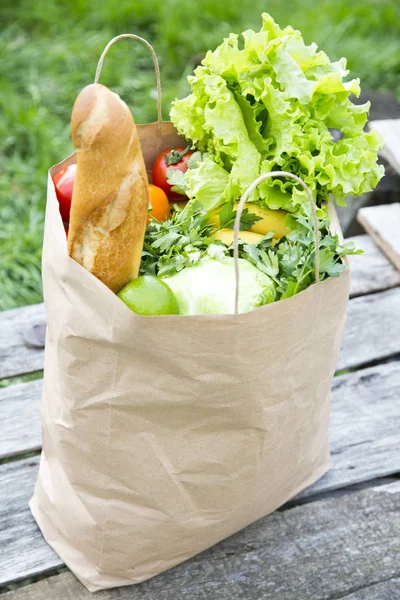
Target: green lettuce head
264,101
208,287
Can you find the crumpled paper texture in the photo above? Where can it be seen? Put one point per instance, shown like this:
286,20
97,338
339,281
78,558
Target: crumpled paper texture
164,435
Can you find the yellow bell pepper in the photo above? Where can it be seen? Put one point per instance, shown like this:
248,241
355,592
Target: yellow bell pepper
271,220
226,236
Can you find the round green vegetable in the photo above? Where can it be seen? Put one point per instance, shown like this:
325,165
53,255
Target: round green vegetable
148,295
209,287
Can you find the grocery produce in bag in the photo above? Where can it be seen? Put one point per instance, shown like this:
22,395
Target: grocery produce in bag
169,420
271,105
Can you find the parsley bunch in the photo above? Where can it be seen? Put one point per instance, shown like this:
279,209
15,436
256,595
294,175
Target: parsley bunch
291,261
176,243
185,238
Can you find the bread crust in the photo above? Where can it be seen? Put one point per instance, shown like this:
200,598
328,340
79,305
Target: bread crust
111,195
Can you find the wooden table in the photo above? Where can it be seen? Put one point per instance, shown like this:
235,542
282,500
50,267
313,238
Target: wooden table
340,538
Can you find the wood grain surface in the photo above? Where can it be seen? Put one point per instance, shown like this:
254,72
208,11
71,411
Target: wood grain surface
327,550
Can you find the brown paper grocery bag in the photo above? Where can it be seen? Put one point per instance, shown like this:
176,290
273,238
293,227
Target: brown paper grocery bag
164,435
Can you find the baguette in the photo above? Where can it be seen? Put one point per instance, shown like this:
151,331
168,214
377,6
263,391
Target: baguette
110,198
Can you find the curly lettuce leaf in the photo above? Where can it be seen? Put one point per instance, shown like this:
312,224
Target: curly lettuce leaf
264,101
208,183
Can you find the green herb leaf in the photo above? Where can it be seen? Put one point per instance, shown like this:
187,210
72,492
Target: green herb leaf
180,241
227,217
176,180
166,241
348,248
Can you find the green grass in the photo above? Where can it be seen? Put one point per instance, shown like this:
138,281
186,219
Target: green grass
20,379
49,51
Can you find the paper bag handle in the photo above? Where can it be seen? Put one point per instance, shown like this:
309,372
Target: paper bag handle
156,68
239,211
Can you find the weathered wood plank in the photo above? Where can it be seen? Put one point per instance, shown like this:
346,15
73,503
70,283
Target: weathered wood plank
383,225
372,329
16,356
389,129
20,415
364,433
321,551
386,590
371,271
23,551
372,333
66,587
363,445
364,438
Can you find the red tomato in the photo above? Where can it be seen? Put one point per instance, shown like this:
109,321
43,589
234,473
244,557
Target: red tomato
171,158
64,183
160,208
